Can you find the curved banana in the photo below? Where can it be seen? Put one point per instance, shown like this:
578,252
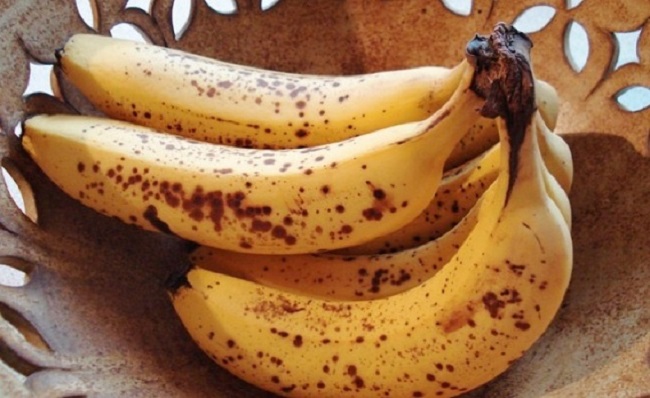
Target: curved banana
231,104
459,190
457,194
454,332
548,102
559,196
337,276
258,201
370,271
561,163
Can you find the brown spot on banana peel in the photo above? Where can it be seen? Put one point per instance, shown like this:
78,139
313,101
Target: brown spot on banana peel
151,214
504,78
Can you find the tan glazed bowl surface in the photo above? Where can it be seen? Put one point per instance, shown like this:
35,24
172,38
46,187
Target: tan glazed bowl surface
92,317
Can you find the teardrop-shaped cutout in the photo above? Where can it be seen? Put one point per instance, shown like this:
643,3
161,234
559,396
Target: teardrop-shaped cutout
182,11
571,4
633,98
14,360
626,48
18,130
10,354
459,7
12,277
19,189
39,79
87,10
15,271
144,5
129,31
534,19
226,7
268,4
24,327
576,46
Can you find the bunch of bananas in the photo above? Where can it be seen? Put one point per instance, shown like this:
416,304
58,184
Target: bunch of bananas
403,233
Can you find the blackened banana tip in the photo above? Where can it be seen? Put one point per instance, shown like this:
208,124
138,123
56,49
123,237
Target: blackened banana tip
504,79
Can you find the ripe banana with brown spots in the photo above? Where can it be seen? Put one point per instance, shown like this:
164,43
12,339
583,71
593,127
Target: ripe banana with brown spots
231,104
450,334
460,189
337,276
225,103
253,200
383,268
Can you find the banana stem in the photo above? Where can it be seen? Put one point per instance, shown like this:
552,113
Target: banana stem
504,78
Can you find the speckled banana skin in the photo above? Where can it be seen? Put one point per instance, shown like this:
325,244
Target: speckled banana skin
337,276
460,189
450,334
258,201
458,193
361,273
231,104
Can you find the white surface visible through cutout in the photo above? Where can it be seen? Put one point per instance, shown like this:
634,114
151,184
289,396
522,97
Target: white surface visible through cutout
12,277
14,191
39,79
144,5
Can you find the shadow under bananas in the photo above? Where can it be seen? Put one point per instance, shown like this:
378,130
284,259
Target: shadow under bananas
593,344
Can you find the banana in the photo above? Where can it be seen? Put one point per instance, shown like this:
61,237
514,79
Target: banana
461,187
457,194
548,102
338,276
451,334
560,164
357,274
231,104
258,201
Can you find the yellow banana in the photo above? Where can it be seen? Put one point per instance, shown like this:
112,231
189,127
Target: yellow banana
459,190
561,163
231,104
363,272
454,332
258,201
238,105
548,102
338,276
